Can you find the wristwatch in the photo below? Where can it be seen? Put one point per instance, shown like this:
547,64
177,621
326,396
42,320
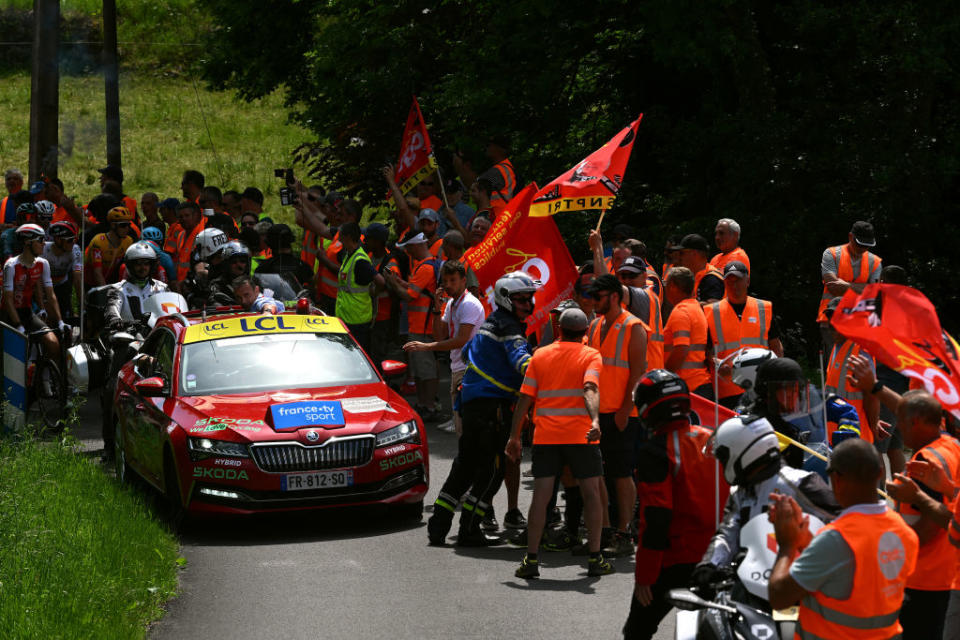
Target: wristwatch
877,388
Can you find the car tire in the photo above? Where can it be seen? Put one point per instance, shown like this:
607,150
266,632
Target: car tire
176,512
411,511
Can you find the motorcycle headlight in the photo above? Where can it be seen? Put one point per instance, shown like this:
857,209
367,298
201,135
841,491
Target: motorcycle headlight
406,432
201,448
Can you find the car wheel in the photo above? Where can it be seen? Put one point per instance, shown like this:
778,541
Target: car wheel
411,511
176,513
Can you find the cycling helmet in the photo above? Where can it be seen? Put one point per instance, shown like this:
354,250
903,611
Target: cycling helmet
152,233
29,232
45,209
510,284
26,210
744,445
661,397
154,246
234,249
745,366
139,251
119,214
63,229
208,242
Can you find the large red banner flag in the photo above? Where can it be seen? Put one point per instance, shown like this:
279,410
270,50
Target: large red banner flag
899,326
416,160
594,183
519,242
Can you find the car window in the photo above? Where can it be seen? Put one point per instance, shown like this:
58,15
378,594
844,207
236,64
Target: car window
158,355
163,364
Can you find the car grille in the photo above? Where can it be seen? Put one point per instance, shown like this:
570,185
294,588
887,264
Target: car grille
335,454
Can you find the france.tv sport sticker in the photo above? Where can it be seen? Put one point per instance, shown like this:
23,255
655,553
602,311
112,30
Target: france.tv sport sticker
309,413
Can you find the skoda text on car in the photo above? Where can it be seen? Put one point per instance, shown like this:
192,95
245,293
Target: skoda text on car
242,413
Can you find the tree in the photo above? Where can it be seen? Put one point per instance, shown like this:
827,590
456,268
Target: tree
794,118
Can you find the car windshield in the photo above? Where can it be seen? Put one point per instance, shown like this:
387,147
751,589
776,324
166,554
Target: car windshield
272,362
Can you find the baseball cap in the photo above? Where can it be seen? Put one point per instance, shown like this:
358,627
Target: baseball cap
695,242
863,234
113,172
428,214
735,268
38,187
832,306
417,238
632,264
376,231
574,320
453,185
582,286
169,203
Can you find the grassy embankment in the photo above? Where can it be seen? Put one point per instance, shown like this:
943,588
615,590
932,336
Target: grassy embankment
80,556
163,133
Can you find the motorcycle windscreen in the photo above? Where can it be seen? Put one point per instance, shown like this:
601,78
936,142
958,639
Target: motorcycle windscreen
758,539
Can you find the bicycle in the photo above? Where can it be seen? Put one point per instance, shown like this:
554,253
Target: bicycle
46,387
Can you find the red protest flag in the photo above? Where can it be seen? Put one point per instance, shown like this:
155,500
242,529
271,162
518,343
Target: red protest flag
899,327
519,242
416,160
594,183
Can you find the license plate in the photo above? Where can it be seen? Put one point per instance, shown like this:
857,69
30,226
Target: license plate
316,480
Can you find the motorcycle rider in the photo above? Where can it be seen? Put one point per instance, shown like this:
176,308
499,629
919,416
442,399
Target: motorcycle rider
748,449
124,307
235,263
206,264
781,390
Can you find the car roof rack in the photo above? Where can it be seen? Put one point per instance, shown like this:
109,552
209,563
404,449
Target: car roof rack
214,311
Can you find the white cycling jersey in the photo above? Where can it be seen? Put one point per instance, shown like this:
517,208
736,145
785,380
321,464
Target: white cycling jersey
61,266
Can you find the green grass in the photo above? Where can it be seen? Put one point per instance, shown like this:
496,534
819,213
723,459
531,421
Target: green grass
162,134
80,556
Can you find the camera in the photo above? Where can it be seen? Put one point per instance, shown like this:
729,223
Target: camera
287,196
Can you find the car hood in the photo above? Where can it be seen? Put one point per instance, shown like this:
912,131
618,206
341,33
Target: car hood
365,408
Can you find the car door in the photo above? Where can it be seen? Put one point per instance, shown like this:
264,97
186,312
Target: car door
155,420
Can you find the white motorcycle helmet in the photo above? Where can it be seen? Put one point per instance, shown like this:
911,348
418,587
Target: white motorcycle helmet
745,366
743,445
511,284
139,251
208,242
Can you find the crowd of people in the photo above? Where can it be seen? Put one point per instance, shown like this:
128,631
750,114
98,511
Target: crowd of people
602,392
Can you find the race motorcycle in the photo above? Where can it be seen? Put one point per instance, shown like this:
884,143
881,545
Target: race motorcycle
738,608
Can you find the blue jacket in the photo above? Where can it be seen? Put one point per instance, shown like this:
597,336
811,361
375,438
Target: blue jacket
496,357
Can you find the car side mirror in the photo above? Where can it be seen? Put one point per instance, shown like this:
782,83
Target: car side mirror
153,387
393,368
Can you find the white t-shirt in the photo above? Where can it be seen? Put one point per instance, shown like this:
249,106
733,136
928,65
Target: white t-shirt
464,310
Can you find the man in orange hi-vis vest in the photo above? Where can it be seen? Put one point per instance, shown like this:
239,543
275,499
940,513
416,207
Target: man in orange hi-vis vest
850,579
848,266
563,379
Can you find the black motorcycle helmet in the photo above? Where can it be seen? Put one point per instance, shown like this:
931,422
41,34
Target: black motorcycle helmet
773,375
661,397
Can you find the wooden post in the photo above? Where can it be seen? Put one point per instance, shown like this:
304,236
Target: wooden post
603,212
45,91
111,81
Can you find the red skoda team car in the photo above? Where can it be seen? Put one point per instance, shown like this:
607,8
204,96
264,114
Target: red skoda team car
242,413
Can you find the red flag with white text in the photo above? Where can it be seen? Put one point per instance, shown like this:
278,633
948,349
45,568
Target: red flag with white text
594,183
519,242
899,326
416,160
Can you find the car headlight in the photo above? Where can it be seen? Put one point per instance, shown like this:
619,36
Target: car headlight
201,448
406,432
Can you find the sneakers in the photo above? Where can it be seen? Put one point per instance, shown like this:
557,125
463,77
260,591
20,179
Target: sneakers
476,538
448,427
621,545
582,549
514,520
559,540
599,567
489,522
518,540
528,569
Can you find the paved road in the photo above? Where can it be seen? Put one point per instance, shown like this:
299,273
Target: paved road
363,574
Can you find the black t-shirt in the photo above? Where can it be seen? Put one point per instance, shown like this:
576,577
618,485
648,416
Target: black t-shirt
710,288
363,271
772,334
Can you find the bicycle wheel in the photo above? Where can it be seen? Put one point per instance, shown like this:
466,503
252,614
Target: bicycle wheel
48,399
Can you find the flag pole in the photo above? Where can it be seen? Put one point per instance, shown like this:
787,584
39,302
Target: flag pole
603,212
443,190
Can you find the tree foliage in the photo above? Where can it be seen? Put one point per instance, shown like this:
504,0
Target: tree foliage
795,118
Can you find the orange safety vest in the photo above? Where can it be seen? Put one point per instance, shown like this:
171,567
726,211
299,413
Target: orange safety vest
615,350
327,280
731,333
653,278
436,248
500,197
653,323
844,260
708,270
131,206
953,533
694,368
419,318
185,246
885,553
837,383
721,259
171,243
3,210
308,252
936,557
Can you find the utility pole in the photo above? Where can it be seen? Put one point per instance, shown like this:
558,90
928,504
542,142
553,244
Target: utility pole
111,81
45,90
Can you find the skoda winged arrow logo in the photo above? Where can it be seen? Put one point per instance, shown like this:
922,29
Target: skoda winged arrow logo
312,436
